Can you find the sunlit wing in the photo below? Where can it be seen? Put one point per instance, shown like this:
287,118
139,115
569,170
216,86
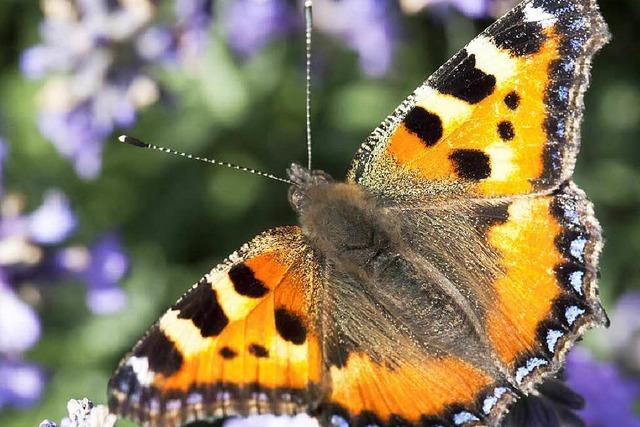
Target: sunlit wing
240,342
500,118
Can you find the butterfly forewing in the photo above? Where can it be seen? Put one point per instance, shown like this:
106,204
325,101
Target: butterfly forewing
240,342
500,118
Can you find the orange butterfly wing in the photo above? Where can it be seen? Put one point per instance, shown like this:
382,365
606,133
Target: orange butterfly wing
542,296
240,342
500,118
496,128
498,123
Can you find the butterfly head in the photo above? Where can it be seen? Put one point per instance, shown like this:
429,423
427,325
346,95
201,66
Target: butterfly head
303,180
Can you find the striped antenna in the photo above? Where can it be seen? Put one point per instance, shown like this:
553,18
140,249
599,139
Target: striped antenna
137,143
307,40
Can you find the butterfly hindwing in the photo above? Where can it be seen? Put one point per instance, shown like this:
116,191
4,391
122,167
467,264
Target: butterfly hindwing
527,268
239,342
500,118
401,347
546,295
429,392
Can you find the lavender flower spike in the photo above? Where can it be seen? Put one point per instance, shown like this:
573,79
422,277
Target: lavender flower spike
83,413
249,25
368,27
19,323
21,383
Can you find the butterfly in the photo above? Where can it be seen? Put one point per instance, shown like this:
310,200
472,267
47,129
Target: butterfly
445,277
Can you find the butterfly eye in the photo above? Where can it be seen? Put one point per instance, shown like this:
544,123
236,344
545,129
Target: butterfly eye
297,198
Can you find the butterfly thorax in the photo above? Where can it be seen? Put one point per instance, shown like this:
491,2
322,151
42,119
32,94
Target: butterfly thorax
342,222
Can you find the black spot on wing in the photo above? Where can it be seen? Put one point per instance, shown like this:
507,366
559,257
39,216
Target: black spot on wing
515,34
202,307
488,215
506,130
512,100
290,326
258,350
425,125
245,282
338,347
227,353
464,81
162,354
471,164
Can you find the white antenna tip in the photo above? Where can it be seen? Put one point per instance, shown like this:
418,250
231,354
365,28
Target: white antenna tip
132,141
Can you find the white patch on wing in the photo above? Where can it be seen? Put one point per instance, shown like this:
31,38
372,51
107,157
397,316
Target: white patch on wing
451,110
539,15
491,401
572,313
577,248
194,398
183,333
552,339
338,421
502,165
523,371
490,59
575,279
140,366
464,417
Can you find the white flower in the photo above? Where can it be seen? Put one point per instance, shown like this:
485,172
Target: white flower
82,413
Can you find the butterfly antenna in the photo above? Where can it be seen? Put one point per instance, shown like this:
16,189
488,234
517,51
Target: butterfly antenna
137,143
307,40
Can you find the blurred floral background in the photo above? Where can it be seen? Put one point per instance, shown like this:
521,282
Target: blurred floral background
97,239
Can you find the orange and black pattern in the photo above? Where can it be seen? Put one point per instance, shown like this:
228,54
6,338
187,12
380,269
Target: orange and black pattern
238,343
500,118
490,140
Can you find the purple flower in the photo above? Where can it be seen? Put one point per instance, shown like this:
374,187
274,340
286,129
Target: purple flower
622,339
471,8
19,324
97,56
156,44
54,221
610,396
193,22
20,234
366,26
25,259
251,24
92,93
21,383
78,136
301,420
3,156
101,267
